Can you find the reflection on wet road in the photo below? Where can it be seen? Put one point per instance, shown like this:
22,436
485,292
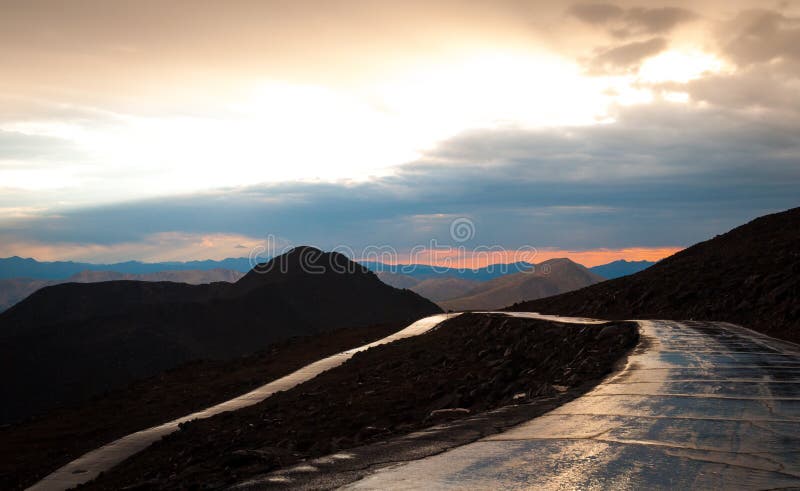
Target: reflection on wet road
90,465
699,405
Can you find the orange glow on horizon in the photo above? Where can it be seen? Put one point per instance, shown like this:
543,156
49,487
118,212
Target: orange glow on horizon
473,260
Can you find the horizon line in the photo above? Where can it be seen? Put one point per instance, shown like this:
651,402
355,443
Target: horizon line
588,258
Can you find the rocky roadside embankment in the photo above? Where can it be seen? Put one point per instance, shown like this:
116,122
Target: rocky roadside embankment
470,364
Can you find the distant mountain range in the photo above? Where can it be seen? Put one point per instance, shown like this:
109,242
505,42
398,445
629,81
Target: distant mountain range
424,271
17,267
13,290
608,271
20,277
618,269
98,336
550,277
748,276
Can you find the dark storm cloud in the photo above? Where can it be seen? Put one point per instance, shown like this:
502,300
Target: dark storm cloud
636,21
662,175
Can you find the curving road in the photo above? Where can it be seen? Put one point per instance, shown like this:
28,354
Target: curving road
699,405
90,465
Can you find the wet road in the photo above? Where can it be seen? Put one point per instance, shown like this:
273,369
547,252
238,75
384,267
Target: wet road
88,466
699,405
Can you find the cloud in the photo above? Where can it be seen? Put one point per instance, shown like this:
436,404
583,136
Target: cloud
17,147
596,13
760,36
655,20
763,49
765,88
659,175
162,246
636,21
625,58
662,175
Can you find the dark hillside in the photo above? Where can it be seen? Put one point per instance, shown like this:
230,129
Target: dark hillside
72,341
748,276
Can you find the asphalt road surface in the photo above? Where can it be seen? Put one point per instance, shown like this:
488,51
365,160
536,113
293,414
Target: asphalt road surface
700,405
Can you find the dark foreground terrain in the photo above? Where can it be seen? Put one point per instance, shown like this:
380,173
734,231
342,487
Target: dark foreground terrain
34,448
67,343
473,362
749,276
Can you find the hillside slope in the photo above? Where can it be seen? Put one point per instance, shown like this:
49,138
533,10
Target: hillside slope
748,276
547,278
68,342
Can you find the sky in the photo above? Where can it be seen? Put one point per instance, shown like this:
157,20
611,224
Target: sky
182,130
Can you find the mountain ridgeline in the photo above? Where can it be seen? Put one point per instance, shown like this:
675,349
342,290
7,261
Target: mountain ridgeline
18,267
748,276
97,336
20,277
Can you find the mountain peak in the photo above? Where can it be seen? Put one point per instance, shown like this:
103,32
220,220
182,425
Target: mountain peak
302,261
558,260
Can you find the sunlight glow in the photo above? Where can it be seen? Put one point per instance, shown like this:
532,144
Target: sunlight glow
494,89
278,131
679,66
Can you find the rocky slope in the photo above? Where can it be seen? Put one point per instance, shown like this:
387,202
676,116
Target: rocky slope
68,342
748,276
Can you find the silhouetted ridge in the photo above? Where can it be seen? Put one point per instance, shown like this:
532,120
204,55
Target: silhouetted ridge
69,341
301,261
748,276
